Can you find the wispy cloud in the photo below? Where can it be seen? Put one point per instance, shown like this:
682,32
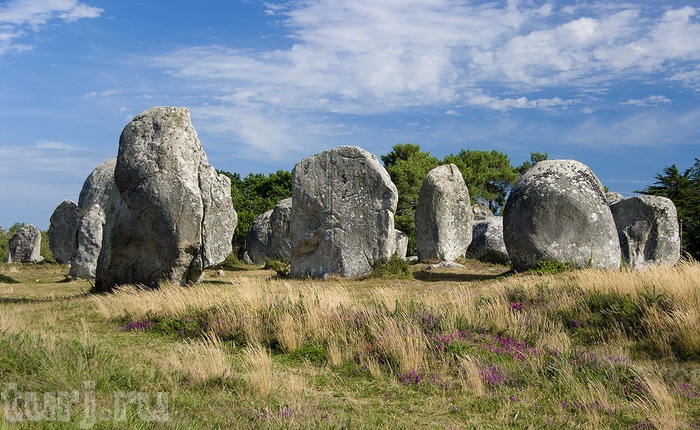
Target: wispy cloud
105,93
361,57
19,16
648,101
367,56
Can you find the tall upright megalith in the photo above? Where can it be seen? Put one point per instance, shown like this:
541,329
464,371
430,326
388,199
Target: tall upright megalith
342,218
557,211
173,215
444,215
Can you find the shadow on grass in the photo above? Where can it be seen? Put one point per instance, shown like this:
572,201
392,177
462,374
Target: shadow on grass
18,300
432,276
7,280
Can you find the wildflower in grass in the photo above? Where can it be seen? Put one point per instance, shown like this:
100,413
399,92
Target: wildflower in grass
492,376
517,306
138,325
687,391
410,378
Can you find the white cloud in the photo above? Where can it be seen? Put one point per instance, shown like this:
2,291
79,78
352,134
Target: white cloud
18,15
648,101
360,57
363,56
105,93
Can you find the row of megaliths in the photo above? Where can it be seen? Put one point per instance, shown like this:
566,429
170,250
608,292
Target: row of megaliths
158,212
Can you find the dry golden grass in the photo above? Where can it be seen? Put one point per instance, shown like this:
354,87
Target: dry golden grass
372,331
199,360
258,371
470,374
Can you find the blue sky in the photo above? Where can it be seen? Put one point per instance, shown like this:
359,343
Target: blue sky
615,85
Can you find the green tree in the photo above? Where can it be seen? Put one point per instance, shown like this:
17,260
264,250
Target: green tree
488,174
254,195
535,157
408,166
684,190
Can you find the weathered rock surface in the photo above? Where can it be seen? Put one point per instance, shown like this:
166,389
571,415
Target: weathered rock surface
173,216
444,215
342,219
25,246
487,241
481,211
69,232
557,212
98,186
648,230
62,231
280,234
612,197
400,244
89,231
268,236
258,245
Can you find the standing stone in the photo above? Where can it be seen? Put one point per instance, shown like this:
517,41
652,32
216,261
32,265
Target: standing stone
487,241
257,242
342,219
280,234
89,230
63,225
25,246
98,186
173,216
443,216
557,212
648,230
400,244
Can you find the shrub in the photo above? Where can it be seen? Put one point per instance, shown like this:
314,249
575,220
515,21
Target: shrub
394,268
279,266
551,267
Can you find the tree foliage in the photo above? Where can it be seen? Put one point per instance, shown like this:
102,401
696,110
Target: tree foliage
255,194
684,190
488,174
535,157
408,166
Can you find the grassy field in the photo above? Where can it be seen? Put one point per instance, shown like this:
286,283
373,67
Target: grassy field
473,348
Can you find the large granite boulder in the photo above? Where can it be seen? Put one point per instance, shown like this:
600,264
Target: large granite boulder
257,244
25,246
443,216
342,219
280,234
557,211
173,214
63,225
487,241
648,230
